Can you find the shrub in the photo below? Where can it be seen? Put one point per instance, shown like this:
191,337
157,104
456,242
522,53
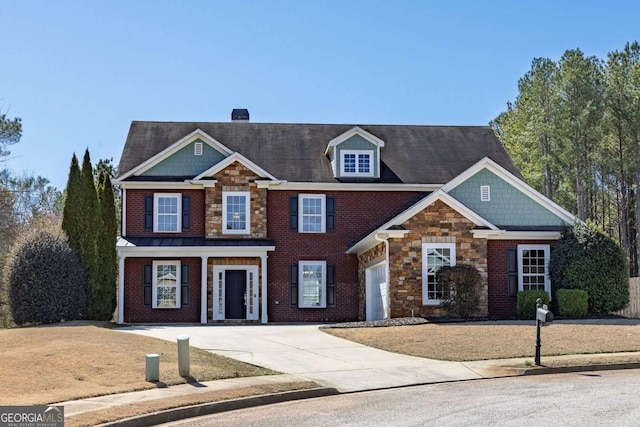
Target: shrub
461,285
44,280
572,302
527,303
586,258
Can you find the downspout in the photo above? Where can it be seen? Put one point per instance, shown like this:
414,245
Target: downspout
386,271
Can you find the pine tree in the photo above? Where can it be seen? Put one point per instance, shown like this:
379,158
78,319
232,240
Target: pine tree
71,208
89,221
108,258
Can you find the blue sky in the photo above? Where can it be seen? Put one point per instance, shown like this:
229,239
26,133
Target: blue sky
78,72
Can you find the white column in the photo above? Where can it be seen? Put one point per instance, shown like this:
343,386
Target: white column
203,290
121,289
123,213
263,269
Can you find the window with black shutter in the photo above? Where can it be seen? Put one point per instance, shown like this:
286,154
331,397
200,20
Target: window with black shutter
184,285
293,281
148,213
512,271
146,285
331,214
331,285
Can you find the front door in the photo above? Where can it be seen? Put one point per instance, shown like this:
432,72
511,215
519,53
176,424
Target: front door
235,294
377,292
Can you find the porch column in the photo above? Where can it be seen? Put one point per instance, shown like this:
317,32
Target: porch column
121,289
263,269
203,290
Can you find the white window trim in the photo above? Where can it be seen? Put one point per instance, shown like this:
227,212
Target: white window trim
547,256
357,153
247,211
323,288
485,193
323,214
154,292
425,283
198,149
156,211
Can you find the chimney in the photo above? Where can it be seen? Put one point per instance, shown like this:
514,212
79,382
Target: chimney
240,115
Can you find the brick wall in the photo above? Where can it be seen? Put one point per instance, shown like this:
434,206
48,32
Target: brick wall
236,177
134,309
501,305
135,212
357,213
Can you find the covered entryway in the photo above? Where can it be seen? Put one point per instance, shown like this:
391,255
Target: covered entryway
235,292
377,292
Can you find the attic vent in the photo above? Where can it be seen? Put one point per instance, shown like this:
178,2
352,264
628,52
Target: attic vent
197,149
240,115
485,193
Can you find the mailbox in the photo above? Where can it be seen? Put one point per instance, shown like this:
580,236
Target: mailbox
544,315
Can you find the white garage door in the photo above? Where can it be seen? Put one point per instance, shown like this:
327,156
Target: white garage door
377,292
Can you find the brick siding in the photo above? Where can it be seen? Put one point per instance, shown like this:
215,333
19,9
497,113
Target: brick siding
135,213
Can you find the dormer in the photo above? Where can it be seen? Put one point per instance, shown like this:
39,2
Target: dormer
355,154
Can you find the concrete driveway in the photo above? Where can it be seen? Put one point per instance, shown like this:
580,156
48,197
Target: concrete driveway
305,351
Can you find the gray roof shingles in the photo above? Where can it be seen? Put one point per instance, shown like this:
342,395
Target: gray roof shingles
295,152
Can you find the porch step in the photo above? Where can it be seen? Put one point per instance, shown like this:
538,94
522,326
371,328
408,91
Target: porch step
233,322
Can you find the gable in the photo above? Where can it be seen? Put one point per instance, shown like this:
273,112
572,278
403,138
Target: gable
507,205
185,163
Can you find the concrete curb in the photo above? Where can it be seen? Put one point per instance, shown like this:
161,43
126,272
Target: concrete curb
582,368
177,414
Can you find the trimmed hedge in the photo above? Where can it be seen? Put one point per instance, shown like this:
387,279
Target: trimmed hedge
527,303
572,302
588,259
461,285
45,280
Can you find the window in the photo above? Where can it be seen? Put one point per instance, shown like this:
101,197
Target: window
312,282
167,208
532,272
485,193
435,256
166,279
312,213
357,163
197,149
235,212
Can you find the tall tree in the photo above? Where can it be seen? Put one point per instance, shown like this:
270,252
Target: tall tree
108,258
72,207
89,220
10,133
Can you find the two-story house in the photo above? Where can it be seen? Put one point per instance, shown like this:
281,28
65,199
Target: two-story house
273,222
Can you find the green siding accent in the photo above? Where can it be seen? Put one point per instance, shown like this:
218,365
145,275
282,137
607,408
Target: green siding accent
356,142
508,205
184,163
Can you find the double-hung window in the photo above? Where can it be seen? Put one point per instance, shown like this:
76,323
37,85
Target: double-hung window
312,282
312,213
235,212
434,257
357,163
167,208
533,273
166,280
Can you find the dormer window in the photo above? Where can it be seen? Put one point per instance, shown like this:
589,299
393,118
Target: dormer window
356,163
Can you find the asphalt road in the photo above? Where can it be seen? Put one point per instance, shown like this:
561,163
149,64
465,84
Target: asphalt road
606,398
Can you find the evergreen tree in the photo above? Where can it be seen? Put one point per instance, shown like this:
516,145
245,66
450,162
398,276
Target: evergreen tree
89,221
108,258
72,206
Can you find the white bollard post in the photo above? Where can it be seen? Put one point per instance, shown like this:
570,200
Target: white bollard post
152,367
183,356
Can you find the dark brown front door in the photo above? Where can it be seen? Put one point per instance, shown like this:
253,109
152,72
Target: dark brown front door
235,287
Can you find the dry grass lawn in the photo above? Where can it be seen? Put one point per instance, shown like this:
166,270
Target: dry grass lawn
481,341
50,364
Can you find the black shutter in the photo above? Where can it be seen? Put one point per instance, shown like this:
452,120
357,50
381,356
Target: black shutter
331,214
186,213
512,271
293,213
184,288
146,285
148,213
331,285
293,280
